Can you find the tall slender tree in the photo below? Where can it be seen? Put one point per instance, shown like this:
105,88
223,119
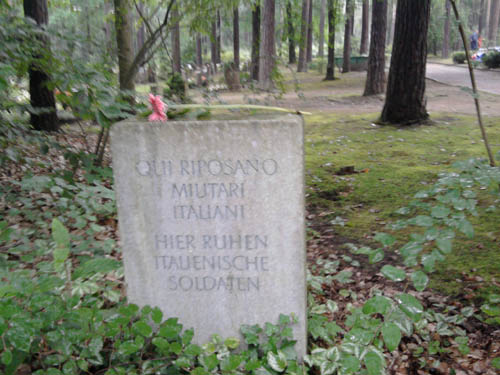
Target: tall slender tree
176,41
213,44
349,9
236,37
405,103
41,97
446,37
254,66
321,38
493,24
302,65
310,32
267,48
330,68
292,57
375,79
365,27
219,37
199,50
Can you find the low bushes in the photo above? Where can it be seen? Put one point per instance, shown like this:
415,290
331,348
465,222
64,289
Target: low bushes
492,60
459,57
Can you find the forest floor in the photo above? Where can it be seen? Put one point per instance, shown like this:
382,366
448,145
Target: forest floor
357,174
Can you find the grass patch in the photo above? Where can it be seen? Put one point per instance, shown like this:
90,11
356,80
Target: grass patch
390,165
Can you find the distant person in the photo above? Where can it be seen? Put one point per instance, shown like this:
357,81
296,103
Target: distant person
473,40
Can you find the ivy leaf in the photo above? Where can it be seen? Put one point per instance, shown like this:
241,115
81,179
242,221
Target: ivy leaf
232,342
231,363
209,361
384,238
6,357
495,362
420,280
424,221
142,328
410,306
60,234
444,245
376,256
393,273
350,363
466,228
392,335
374,363
377,305
440,212
277,361
157,315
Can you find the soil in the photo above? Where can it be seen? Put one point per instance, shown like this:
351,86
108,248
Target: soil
337,97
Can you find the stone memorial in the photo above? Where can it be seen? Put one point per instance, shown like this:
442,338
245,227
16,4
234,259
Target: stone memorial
211,217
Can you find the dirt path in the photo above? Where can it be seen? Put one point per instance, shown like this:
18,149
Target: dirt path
487,81
345,96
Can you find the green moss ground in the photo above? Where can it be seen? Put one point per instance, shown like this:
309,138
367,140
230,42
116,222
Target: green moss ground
395,163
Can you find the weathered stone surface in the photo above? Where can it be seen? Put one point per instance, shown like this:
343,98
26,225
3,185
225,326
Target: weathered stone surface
211,216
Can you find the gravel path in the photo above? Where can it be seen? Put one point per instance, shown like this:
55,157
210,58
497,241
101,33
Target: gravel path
488,81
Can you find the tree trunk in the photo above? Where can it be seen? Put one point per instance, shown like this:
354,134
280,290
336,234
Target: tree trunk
266,55
41,97
292,57
213,45
141,33
494,18
330,68
254,68
88,35
363,48
176,42
310,32
236,38
124,32
321,41
405,103
199,51
346,66
302,65
390,22
219,34
482,18
446,37
375,79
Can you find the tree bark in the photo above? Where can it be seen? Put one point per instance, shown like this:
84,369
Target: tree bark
346,66
213,45
141,32
267,50
199,51
330,68
124,32
176,42
302,65
405,103
390,22
321,41
310,32
254,68
480,26
292,57
375,79
236,38
219,34
41,97
446,37
494,18
365,17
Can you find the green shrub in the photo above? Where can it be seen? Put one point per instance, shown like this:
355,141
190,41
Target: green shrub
492,60
459,58
176,88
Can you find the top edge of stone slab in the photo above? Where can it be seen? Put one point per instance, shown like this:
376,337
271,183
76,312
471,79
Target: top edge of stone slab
287,118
